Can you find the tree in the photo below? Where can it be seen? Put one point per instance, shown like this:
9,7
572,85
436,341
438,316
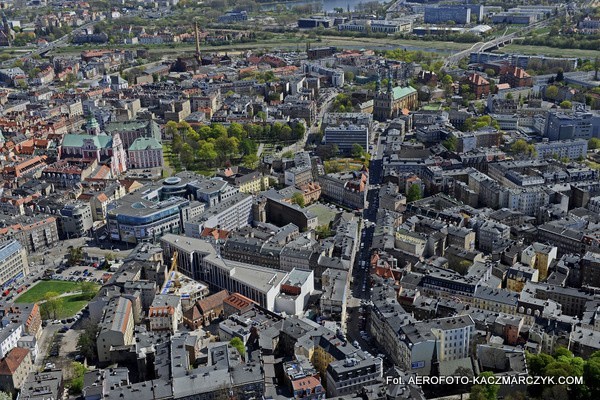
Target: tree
237,343
52,305
522,148
566,105
298,198
88,290
560,76
450,143
490,72
594,143
86,344
349,76
414,193
288,154
76,384
75,256
323,231
250,161
357,150
5,396
487,391
551,92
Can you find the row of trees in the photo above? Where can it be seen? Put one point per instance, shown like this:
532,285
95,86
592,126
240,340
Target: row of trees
214,145
564,363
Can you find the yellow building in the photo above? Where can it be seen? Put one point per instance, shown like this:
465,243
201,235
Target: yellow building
518,275
539,256
246,180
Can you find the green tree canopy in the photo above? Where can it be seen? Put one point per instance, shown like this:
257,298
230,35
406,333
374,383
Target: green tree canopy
414,193
237,343
297,198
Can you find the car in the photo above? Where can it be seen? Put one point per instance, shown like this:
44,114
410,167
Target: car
63,321
355,344
70,320
63,329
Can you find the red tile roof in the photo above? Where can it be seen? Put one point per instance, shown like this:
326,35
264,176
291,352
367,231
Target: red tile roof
477,79
11,363
212,302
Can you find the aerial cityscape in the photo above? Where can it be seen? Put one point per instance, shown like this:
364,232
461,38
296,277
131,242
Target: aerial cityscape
304,200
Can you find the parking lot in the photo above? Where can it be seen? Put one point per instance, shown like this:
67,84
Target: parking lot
81,274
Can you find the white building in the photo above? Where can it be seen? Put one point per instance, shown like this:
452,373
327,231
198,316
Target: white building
295,292
9,337
231,214
571,149
13,261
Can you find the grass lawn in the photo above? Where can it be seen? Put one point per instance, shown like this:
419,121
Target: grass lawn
547,51
432,107
70,306
37,292
324,214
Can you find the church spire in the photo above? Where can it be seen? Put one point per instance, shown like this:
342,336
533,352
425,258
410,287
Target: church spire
389,84
378,83
435,363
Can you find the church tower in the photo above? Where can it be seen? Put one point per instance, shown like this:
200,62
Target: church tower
92,127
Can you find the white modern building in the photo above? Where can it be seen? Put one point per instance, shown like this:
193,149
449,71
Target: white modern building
13,261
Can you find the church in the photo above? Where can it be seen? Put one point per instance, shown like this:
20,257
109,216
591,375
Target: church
390,104
95,145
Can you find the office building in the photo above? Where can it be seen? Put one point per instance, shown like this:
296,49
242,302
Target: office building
345,136
13,261
443,14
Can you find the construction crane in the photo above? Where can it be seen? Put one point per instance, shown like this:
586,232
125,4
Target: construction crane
174,268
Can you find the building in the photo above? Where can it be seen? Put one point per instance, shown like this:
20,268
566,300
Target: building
205,310
539,256
346,136
199,260
33,232
516,77
443,14
246,180
129,131
518,275
231,214
491,232
590,269
145,152
478,85
232,17
571,149
335,76
393,103
561,126
14,369
95,146
42,386
348,189
116,328
162,207
165,313
76,219
347,376
426,342
13,262
315,22
332,303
